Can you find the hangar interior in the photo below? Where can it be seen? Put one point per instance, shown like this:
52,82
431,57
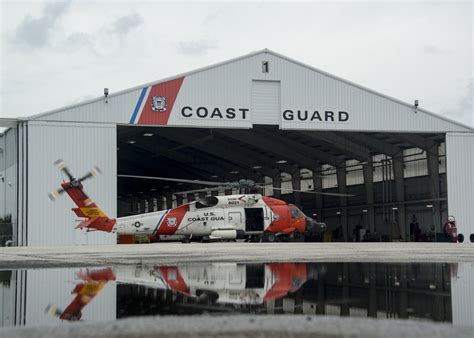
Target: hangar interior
393,176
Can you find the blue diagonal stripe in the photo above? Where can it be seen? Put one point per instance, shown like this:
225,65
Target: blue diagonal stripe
137,107
159,222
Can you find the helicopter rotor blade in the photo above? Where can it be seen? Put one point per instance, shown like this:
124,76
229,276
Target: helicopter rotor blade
311,192
180,180
61,165
94,172
200,190
53,195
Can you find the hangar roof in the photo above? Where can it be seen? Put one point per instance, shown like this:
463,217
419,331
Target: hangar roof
301,87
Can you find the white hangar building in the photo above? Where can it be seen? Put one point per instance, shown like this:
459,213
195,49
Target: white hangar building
263,117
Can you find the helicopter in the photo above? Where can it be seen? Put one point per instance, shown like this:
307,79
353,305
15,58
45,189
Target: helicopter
248,216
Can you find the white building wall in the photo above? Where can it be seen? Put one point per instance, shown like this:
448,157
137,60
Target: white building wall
460,180
81,146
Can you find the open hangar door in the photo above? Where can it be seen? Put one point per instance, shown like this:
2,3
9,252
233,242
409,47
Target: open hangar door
394,177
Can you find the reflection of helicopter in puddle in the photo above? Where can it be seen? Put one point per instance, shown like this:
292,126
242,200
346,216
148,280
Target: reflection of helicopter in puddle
208,283
235,283
94,282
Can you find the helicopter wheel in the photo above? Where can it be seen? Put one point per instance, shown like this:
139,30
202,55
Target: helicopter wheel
269,238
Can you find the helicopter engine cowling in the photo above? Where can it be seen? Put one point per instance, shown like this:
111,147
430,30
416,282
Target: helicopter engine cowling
228,201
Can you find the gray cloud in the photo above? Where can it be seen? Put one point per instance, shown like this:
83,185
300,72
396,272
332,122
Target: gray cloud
124,24
195,47
463,111
432,49
36,32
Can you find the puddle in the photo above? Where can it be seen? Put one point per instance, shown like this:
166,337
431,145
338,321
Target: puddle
418,291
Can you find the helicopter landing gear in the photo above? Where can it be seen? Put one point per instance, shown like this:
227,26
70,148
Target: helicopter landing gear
269,237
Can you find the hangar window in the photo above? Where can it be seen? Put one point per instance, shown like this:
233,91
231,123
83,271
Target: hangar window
265,68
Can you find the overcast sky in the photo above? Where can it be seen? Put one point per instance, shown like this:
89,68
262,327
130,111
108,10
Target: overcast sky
55,53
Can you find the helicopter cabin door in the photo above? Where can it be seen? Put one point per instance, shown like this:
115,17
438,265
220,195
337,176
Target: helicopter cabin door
235,219
254,219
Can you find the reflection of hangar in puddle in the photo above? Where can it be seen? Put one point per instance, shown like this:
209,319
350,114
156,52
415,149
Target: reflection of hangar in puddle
262,117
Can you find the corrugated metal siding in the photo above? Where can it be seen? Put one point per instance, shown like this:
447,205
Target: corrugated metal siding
302,88
81,146
21,233
53,287
8,183
460,179
462,294
266,102
116,109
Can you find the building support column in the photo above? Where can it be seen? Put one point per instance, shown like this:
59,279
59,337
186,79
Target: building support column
296,185
318,187
342,186
433,171
159,203
276,182
400,192
169,200
368,170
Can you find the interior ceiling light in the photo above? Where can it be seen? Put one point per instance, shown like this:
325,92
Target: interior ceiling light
394,208
338,212
214,176
234,172
257,167
153,189
282,161
148,134
429,205
131,142
364,210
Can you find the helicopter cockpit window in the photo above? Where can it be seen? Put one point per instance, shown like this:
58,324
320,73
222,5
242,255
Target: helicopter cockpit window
207,202
295,212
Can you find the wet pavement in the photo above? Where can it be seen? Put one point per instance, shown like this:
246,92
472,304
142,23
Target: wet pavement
412,292
177,253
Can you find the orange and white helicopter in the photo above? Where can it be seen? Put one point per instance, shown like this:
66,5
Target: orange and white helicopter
231,217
